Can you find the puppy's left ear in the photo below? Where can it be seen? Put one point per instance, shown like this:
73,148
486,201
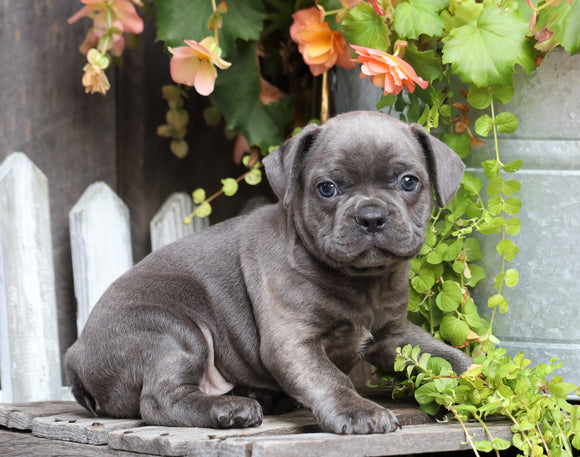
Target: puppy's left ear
283,165
445,167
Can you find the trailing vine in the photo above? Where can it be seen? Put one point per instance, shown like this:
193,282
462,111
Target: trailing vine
543,422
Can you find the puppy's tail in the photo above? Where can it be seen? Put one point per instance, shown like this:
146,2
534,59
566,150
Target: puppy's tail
81,395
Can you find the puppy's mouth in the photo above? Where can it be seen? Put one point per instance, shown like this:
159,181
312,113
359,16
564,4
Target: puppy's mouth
375,261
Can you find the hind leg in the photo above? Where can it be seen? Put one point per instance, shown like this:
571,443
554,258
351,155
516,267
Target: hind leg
187,406
171,393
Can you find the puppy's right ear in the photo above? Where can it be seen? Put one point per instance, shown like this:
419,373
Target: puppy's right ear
284,164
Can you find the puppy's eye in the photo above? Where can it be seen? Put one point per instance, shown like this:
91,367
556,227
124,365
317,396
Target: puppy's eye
327,189
409,183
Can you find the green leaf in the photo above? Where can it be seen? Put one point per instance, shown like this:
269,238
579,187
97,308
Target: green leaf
237,95
562,21
490,168
495,186
494,206
507,248
513,226
483,125
254,177
187,19
386,100
203,210
501,444
450,297
511,187
460,143
461,13
426,63
419,17
364,27
198,196
512,205
484,51
423,282
477,274
454,329
229,186
496,301
470,182
434,258
506,123
512,277
512,167
478,97
483,446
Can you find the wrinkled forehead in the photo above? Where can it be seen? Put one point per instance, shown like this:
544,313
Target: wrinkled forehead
364,146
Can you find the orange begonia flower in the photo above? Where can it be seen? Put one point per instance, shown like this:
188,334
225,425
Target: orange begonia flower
124,12
194,65
320,47
387,70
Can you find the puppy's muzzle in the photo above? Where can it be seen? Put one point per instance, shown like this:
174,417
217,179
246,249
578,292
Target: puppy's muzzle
372,218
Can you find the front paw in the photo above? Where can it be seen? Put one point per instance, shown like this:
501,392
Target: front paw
358,417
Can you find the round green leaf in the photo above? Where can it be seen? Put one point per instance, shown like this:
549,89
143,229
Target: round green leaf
512,167
490,168
512,205
434,258
454,329
254,177
507,248
478,97
472,250
494,206
423,282
513,226
229,186
198,196
450,297
506,122
483,125
498,301
511,187
460,143
203,210
512,277
495,186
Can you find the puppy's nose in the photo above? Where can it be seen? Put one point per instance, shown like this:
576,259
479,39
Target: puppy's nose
372,219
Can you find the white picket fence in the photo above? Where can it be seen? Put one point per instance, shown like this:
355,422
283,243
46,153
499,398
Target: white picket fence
101,251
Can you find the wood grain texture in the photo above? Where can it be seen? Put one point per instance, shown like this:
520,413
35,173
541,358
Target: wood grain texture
20,415
80,427
29,355
100,237
167,225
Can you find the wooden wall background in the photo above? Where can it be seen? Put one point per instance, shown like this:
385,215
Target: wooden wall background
77,139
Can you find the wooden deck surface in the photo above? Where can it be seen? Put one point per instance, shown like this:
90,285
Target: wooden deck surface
65,429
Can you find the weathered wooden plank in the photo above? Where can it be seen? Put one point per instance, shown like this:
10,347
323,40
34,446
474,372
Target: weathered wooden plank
18,444
173,441
167,225
415,439
80,427
176,441
29,348
21,415
100,243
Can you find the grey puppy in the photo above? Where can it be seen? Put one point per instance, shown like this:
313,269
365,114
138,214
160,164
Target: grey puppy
288,298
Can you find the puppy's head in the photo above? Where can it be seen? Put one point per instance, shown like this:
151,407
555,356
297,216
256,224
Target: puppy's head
359,188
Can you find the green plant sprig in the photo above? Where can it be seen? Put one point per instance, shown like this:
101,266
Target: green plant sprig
543,422
229,188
